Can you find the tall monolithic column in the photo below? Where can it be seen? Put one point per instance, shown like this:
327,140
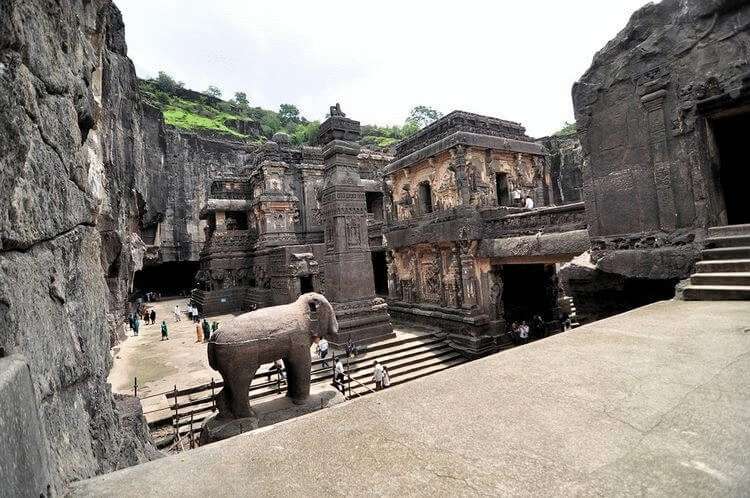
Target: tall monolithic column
349,283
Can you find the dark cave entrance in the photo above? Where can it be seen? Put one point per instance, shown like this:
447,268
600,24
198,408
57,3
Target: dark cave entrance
169,279
374,201
528,290
380,273
306,284
731,135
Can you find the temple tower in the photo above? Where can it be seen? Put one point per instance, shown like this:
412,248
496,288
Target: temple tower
349,283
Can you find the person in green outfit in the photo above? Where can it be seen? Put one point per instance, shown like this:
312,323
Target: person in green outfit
164,332
214,326
206,330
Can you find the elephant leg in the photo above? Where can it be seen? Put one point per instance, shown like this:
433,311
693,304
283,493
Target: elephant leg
298,374
224,399
239,383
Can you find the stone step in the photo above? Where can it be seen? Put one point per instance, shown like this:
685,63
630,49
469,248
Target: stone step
729,230
722,278
400,377
716,293
724,253
725,265
728,241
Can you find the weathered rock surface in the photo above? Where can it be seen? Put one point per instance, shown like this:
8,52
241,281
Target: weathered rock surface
566,164
76,187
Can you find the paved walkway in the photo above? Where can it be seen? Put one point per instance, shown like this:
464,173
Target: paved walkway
654,401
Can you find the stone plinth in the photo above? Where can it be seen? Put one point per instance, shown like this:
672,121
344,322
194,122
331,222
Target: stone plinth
268,413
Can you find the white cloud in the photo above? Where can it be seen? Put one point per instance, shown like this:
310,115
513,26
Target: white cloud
511,59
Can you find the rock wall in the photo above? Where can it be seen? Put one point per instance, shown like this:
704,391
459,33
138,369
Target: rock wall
565,163
649,183
191,162
77,184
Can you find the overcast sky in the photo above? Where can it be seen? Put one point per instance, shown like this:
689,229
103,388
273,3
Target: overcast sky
513,59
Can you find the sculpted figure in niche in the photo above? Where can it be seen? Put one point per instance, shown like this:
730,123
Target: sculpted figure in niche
407,202
283,332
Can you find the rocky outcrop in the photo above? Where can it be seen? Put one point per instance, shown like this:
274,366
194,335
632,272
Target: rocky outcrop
77,186
190,162
565,162
650,176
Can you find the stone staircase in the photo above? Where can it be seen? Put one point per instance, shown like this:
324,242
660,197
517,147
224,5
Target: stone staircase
406,359
724,272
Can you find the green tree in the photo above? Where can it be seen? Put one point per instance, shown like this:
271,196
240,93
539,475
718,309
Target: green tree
214,91
422,115
166,83
567,129
288,113
240,98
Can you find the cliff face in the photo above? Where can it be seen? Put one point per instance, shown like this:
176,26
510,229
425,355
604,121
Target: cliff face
77,184
191,162
566,161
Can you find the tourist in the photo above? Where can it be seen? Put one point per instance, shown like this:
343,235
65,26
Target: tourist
377,375
131,318
136,325
323,351
176,312
350,348
214,327
206,330
386,377
338,375
190,312
145,316
529,203
523,332
164,332
153,316
537,327
198,332
278,367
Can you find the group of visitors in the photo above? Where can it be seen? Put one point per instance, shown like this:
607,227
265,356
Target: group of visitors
523,332
380,376
134,321
204,330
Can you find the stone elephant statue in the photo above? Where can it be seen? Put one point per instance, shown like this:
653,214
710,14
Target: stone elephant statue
286,332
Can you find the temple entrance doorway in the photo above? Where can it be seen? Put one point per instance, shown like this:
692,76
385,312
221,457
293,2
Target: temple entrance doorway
528,290
731,136
380,273
306,284
174,278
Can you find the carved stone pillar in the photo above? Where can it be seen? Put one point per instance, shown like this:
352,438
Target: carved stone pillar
392,276
348,265
657,131
458,158
468,279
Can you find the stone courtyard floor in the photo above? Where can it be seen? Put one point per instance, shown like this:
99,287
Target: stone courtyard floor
655,401
160,365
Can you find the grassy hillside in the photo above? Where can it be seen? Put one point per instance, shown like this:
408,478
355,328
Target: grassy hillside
236,119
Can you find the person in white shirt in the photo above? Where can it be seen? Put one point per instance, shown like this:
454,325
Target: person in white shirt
386,377
523,331
529,203
377,375
338,375
323,351
177,312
